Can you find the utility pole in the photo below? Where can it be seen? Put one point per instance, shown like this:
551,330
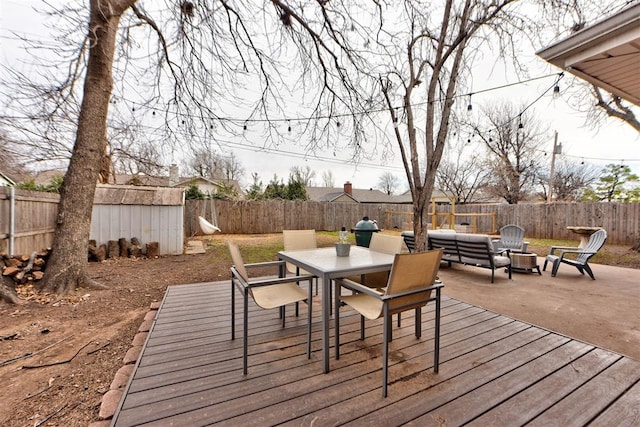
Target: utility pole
557,149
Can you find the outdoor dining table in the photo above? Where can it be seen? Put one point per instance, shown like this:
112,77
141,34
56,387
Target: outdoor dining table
327,266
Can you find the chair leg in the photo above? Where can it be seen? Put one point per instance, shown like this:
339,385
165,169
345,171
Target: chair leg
436,340
336,303
361,327
385,350
554,269
309,318
245,328
418,323
399,320
589,272
544,266
283,311
233,310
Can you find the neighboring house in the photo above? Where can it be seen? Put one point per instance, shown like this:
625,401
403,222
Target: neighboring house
173,180
348,194
6,181
209,186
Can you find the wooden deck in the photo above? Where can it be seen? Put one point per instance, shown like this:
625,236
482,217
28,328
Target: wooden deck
494,370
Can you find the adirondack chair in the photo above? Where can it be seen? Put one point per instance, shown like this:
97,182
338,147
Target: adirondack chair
582,255
511,239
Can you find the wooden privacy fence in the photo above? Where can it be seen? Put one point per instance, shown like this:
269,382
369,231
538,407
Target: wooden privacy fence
273,216
34,218
543,221
27,224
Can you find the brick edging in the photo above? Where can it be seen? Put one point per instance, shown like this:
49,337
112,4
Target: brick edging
111,399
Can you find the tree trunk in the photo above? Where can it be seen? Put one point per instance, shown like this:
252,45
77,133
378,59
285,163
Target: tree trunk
66,269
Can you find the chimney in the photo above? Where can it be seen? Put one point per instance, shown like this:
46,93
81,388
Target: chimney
347,188
173,174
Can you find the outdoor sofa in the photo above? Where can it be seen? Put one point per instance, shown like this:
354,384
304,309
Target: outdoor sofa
476,250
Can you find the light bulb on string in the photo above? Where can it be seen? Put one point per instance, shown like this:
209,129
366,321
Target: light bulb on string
469,106
289,127
520,125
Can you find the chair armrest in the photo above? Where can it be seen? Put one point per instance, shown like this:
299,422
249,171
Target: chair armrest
554,248
265,264
358,287
278,280
354,286
564,252
433,287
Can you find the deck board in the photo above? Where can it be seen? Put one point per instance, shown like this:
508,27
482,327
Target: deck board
493,370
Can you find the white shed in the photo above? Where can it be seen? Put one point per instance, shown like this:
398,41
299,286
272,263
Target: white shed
152,214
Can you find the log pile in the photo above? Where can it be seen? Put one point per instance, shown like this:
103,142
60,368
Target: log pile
121,248
24,268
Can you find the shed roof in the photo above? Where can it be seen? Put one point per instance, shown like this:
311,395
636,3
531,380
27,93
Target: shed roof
137,195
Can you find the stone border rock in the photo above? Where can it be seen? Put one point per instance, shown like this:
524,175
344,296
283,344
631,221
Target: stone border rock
111,399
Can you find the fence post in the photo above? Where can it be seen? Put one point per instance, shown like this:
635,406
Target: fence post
12,220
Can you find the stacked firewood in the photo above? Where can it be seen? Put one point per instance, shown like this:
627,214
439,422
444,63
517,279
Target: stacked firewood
121,248
24,268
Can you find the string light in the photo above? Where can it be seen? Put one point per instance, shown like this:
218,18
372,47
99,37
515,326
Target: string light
469,106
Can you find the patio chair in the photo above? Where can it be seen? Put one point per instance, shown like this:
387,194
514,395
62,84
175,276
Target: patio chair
299,239
409,288
511,239
579,256
384,243
267,293
387,244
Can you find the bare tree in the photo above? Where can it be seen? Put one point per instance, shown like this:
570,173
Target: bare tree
571,178
232,167
388,182
208,163
305,175
604,105
10,160
328,179
462,178
512,140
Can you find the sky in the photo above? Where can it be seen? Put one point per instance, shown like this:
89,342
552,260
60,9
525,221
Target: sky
612,142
